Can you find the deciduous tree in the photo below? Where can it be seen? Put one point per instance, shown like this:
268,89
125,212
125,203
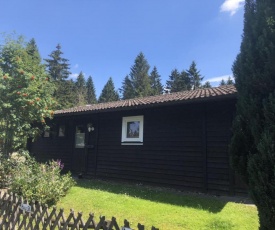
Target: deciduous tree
25,95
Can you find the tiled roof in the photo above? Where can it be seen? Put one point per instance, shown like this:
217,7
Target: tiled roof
166,99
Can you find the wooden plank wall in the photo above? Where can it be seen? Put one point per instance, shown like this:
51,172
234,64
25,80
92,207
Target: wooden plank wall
184,147
170,155
218,129
54,147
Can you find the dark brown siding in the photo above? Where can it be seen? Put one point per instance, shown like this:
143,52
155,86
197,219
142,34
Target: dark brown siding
184,146
54,147
219,119
170,154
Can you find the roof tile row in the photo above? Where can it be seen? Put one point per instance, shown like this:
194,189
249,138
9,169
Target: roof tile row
208,93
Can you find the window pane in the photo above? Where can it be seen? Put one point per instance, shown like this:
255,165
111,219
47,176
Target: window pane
80,140
133,129
61,131
79,137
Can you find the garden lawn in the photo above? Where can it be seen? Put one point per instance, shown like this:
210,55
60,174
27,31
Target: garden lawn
162,208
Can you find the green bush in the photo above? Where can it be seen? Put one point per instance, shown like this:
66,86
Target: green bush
37,181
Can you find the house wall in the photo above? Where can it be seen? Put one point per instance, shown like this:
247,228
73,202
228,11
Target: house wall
184,146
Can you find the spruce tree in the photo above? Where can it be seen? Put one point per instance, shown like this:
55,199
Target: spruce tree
155,81
127,89
66,94
229,81
108,92
195,76
207,85
32,50
81,90
178,81
222,82
139,77
58,67
252,146
91,96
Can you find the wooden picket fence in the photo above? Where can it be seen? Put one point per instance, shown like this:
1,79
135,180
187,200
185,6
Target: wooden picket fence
17,213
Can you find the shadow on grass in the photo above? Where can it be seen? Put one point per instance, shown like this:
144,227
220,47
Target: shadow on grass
161,195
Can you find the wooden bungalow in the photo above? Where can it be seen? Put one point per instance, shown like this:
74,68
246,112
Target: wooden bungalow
177,140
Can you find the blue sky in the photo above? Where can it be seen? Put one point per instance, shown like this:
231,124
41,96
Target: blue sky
103,37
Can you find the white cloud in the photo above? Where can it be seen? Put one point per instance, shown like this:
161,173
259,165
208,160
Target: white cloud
76,66
232,6
218,79
73,75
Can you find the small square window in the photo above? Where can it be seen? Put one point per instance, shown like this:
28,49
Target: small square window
132,129
61,131
46,133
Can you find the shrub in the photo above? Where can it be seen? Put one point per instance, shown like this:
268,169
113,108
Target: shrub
37,181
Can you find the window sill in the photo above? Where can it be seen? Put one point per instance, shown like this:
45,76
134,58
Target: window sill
131,143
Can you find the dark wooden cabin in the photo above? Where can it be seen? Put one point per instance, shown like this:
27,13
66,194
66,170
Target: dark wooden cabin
177,140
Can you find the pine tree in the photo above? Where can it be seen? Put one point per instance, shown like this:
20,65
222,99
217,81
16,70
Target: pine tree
155,81
81,90
252,146
58,67
108,92
91,96
195,76
127,89
139,77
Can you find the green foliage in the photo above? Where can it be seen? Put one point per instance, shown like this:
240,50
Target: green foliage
178,81
25,95
155,81
108,92
194,76
59,70
186,80
252,146
91,97
127,89
33,180
137,84
65,94
81,90
222,82
207,85
57,66
229,81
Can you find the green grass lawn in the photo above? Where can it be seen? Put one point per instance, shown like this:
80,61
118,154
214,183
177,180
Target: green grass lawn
162,208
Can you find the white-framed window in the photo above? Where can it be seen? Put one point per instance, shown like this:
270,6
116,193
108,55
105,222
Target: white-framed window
132,130
79,136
